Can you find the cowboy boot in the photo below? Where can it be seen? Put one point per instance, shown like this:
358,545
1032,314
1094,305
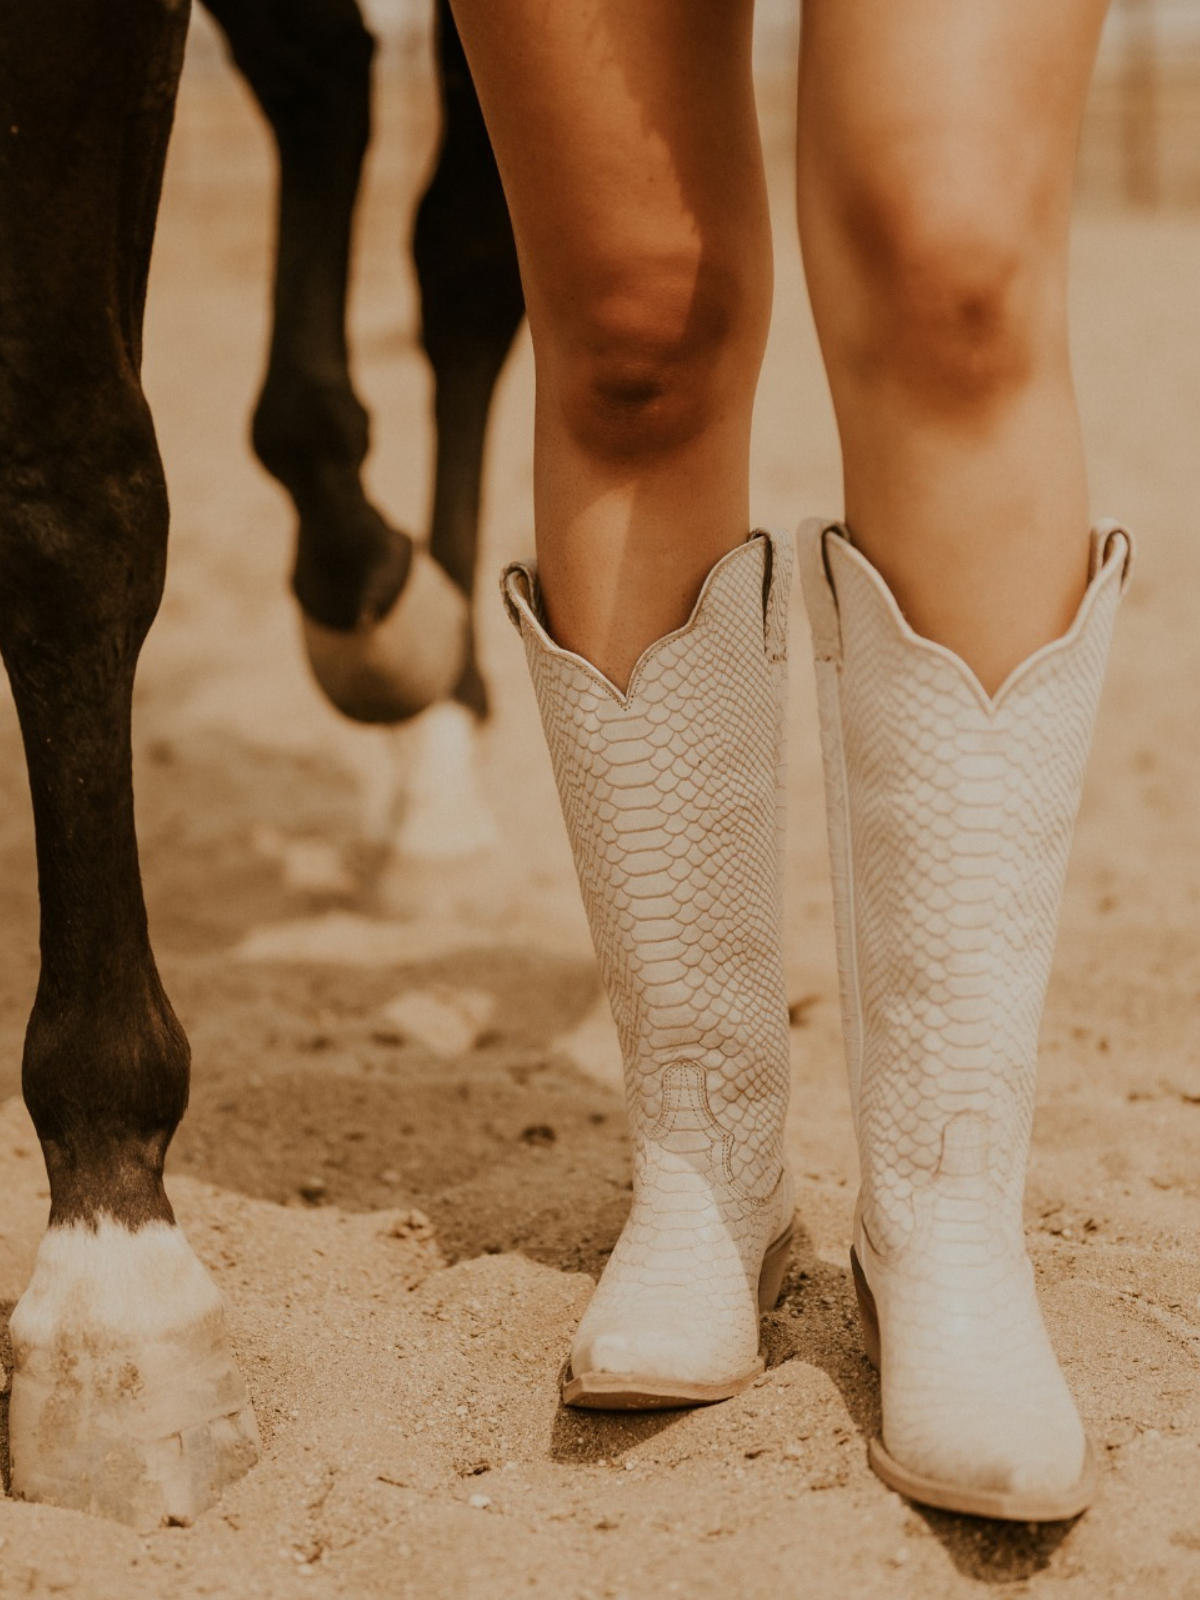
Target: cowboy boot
950,817
672,796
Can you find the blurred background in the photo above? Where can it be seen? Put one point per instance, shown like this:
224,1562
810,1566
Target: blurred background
1141,140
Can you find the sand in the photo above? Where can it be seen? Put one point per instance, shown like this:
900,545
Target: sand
407,1232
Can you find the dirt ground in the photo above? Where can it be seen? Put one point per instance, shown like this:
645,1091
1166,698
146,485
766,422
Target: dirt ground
407,1235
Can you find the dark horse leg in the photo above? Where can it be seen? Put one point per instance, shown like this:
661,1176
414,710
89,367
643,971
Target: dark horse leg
471,305
125,1396
387,631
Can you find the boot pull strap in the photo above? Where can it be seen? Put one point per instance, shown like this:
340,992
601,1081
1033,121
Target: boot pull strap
1106,536
777,588
819,593
518,587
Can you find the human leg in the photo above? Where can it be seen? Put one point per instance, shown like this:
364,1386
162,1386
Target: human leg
942,191
627,142
628,145
935,165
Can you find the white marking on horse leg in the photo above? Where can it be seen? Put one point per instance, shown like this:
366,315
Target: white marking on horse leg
126,1399
445,816
372,754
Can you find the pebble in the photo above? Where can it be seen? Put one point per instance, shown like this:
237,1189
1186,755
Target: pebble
313,1190
480,1501
445,1020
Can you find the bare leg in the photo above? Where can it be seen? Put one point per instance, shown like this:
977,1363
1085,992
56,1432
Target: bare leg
119,1307
937,148
627,140
935,167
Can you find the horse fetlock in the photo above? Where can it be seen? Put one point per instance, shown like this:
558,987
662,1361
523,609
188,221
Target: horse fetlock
303,422
106,1084
126,1398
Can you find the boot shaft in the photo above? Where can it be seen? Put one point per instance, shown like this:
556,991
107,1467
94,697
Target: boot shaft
672,795
950,816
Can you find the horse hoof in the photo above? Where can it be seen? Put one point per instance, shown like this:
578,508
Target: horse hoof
391,668
126,1399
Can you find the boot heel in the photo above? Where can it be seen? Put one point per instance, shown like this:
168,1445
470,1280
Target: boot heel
867,1313
770,1280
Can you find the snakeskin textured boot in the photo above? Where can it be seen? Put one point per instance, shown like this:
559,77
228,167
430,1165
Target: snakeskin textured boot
672,794
950,819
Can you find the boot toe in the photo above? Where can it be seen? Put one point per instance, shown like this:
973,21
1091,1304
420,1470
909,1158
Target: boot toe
997,1450
652,1353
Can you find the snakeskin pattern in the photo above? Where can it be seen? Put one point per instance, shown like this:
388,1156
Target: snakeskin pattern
950,818
672,797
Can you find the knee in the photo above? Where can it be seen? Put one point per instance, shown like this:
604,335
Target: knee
653,353
954,287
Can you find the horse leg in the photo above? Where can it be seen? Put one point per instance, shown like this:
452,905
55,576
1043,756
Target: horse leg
125,1396
385,629
472,306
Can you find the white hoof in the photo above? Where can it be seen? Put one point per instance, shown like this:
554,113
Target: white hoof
390,669
126,1399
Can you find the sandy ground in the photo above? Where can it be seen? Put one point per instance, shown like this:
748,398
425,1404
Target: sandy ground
401,1328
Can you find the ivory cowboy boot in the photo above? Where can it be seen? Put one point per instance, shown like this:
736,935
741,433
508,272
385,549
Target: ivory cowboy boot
672,796
950,818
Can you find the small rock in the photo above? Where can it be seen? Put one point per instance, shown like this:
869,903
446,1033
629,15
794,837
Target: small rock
539,1133
799,1009
412,1224
794,1451
480,1501
446,1020
313,1190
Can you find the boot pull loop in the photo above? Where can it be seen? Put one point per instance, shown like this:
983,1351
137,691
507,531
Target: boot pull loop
518,588
1104,539
777,588
819,594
